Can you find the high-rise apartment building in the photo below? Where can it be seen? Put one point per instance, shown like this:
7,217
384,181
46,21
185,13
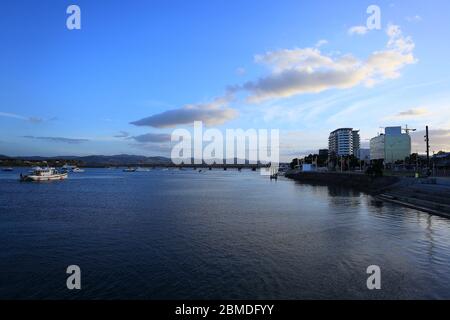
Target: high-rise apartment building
344,142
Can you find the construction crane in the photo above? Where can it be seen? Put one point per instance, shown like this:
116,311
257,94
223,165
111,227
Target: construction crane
408,130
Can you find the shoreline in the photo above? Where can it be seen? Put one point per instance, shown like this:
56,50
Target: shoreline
359,181
421,194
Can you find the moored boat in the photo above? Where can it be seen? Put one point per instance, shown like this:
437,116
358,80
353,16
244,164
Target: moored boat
129,170
44,174
7,169
77,170
68,167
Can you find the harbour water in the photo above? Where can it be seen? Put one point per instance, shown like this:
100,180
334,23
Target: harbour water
212,235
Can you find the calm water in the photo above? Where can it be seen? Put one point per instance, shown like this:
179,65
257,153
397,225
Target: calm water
216,234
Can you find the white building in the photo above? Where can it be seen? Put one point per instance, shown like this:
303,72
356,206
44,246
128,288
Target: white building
344,142
391,146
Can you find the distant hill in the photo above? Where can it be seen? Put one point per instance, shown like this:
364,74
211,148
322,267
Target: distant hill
120,160
123,159
100,160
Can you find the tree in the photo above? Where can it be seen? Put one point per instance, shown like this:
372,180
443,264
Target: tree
294,163
375,169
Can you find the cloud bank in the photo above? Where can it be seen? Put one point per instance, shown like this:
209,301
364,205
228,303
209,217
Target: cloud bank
152,137
308,70
439,140
58,139
122,134
216,112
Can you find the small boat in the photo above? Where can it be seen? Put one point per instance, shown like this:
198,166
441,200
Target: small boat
273,173
7,169
68,167
77,170
129,170
44,174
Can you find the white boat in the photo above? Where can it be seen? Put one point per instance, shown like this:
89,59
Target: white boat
44,174
129,170
7,169
77,170
68,167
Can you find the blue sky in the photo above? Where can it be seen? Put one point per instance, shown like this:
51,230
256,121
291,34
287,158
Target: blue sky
138,69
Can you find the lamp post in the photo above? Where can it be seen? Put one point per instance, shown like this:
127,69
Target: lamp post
427,140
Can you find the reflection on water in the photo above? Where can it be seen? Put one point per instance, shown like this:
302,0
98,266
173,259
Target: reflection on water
216,234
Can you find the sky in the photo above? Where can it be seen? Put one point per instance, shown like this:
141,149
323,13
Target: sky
137,70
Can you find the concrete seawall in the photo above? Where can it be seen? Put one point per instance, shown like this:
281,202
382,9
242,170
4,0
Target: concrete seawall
351,180
418,194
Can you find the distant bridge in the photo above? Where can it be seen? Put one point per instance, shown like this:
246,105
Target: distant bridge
204,166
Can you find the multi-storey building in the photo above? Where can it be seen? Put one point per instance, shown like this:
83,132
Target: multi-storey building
344,142
391,146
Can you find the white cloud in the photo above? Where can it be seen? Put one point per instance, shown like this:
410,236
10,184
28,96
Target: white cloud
304,59
359,30
412,113
308,70
398,42
213,113
17,116
415,18
321,43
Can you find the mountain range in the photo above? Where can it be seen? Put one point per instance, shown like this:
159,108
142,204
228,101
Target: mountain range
99,160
